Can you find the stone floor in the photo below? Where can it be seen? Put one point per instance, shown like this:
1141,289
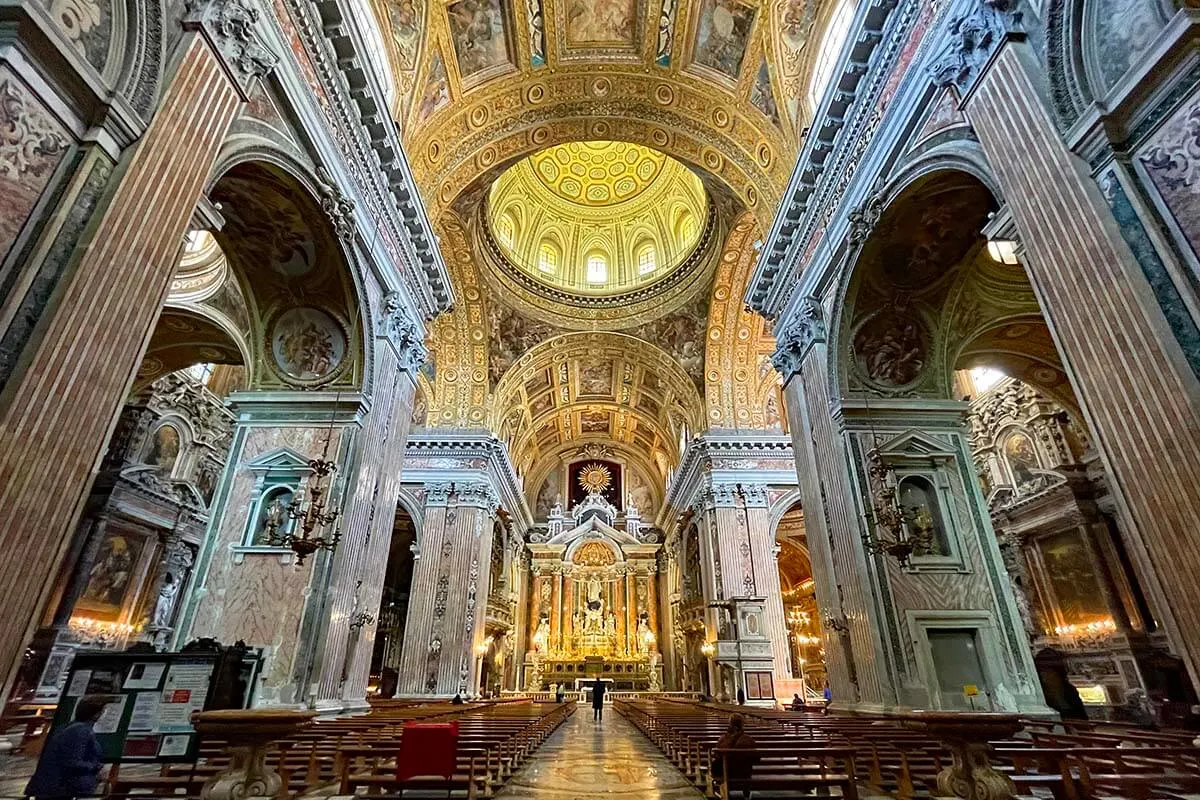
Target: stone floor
580,761
583,759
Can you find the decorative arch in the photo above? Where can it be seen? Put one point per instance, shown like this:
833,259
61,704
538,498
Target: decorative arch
738,344
300,279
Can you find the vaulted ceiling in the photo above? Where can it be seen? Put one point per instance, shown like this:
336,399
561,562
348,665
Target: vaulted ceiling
546,361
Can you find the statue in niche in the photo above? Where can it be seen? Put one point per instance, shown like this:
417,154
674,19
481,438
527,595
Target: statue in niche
167,594
610,625
542,636
643,635
593,610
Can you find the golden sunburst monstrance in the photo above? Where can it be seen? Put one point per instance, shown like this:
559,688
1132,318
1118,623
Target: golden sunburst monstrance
595,478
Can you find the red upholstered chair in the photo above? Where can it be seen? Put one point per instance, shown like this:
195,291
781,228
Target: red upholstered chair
427,749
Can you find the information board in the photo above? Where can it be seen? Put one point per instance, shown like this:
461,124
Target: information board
153,697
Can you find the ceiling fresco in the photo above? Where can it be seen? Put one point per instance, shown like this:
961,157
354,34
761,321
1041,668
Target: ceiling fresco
589,126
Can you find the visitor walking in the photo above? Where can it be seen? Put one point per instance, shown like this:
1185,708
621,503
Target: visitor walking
598,701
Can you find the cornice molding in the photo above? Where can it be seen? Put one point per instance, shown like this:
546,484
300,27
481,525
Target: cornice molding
849,99
358,107
696,469
498,472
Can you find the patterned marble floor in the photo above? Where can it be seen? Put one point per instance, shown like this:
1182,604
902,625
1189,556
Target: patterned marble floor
612,759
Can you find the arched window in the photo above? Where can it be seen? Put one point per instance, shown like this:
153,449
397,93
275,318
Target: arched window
687,227
831,47
597,268
646,259
548,258
923,517
506,229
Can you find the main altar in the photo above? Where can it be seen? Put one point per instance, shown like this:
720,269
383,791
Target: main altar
593,610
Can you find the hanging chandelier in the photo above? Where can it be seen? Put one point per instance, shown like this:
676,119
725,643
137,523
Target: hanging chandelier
899,532
310,520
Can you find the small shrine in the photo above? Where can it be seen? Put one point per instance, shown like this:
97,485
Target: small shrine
594,598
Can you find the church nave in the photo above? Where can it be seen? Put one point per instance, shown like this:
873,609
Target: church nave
583,758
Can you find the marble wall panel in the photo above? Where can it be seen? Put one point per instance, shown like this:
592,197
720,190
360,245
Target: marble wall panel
32,143
258,597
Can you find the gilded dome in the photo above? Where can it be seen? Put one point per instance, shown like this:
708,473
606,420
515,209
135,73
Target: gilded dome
597,218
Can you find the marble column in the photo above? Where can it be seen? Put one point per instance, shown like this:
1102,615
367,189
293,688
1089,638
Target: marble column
556,613
535,604
631,609
102,267
1128,371
851,622
766,573
346,640
568,612
652,602
449,591
622,611
257,593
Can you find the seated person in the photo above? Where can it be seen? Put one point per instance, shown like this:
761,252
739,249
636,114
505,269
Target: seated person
797,703
737,749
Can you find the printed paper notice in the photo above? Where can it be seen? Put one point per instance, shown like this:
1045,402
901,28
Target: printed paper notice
144,676
79,683
110,720
145,712
174,746
184,691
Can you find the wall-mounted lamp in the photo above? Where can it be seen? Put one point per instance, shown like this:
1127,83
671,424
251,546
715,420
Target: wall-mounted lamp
708,649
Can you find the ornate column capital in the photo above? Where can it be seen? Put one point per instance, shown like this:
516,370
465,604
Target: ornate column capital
719,495
476,495
755,495
231,28
404,335
974,36
437,494
792,342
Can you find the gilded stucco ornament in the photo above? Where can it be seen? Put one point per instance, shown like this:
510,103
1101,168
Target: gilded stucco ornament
806,328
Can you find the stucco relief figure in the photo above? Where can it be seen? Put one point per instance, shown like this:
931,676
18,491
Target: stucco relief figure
891,348
307,344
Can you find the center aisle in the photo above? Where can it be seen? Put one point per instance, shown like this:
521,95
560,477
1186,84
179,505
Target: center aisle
612,759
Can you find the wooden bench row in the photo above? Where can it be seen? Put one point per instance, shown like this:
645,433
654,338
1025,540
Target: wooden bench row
358,754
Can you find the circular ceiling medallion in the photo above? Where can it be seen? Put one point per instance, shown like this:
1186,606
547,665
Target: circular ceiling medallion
307,344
